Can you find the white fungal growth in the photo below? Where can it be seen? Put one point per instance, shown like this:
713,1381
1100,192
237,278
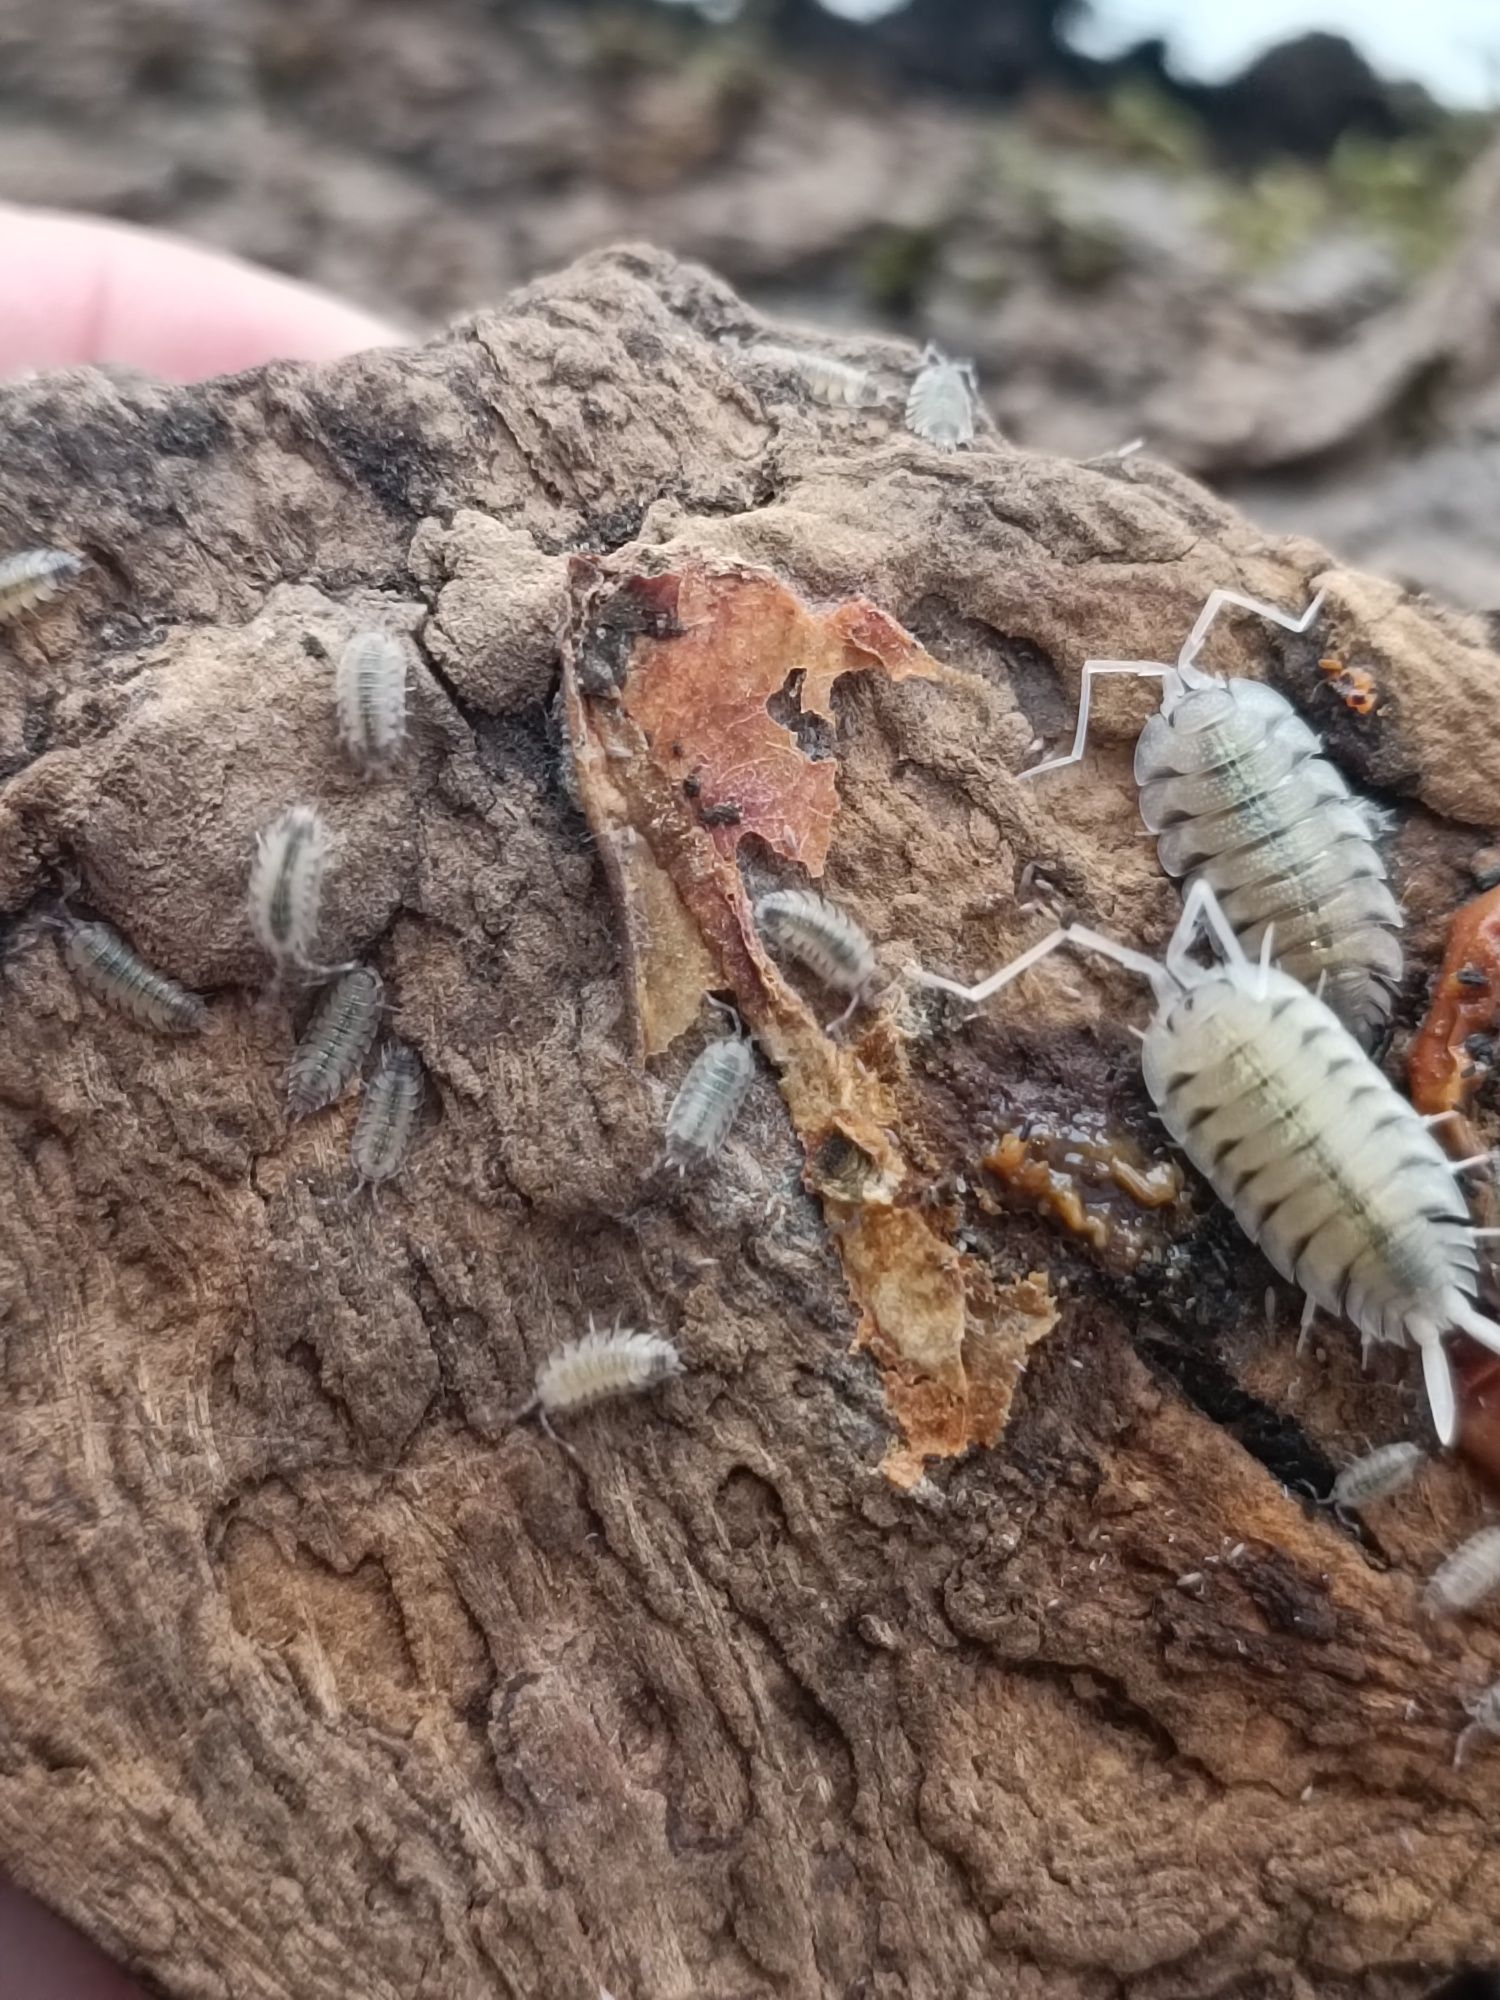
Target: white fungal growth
337,1041
286,884
940,407
104,963
1483,1711
708,1101
1325,1165
811,930
1468,1576
1377,1475
601,1366
31,576
388,1116
370,695
826,379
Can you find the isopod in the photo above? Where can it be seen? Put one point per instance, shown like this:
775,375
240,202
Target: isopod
1468,1576
1323,1163
1237,789
388,1116
596,1369
337,1041
811,930
940,407
1376,1476
31,576
370,696
121,978
286,884
826,379
708,1101
1483,1711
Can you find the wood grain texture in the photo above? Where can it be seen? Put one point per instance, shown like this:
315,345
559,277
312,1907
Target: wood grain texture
316,1678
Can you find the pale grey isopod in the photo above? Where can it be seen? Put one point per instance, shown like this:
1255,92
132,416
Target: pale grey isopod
826,379
121,978
940,407
1483,1712
370,696
708,1101
1468,1576
388,1115
286,884
604,1365
810,929
1377,1475
29,577
337,1041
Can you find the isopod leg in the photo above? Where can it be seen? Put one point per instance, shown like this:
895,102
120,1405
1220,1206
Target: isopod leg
1218,599
1141,669
993,984
1439,1379
1200,911
1309,1314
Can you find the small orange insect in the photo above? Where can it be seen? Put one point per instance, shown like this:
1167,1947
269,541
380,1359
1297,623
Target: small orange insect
1355,686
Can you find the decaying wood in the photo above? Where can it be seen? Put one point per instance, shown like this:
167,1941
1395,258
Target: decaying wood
948,1629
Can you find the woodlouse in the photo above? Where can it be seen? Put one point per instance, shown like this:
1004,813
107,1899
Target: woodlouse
1483,1711
1376,1476
370,697
1468,1576
30,576
286,884
826,379
940,406
708,1101
337,1041
814,932
1323,1163
1237,789
121,978
387,1119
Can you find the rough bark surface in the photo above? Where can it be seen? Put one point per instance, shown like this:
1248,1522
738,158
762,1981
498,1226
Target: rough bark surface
318,1677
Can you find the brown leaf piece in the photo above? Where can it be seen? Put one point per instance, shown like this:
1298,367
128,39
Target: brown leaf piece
666,683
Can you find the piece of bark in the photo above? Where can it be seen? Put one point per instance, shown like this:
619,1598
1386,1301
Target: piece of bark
317,1676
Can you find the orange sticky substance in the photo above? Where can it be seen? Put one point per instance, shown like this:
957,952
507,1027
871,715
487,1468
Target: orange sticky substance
1058,1171
1442,1074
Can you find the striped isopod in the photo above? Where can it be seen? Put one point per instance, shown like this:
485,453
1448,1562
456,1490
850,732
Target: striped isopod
940,407
370,697
811,930
388,1116
1376,1476
1469,1575
31,576
825,378
1483,1711
708,1101
1324,1164
286,884
337,1041
1235,786
121,978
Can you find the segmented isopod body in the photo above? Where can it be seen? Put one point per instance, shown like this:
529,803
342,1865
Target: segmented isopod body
31,576
940,407
370,695
337,1041
121,978
603,1365
708,1101
1237,789
1468,1576
286,884
388,1116
1484,1720
1324,1164
826,379
1377,1475
810,929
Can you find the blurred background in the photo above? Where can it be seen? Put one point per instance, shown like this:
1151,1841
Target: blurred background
1264,234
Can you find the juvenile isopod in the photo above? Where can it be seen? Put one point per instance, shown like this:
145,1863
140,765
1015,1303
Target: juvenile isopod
337,1041
940,407
388,1115
1468,1576
811,930
1376,1476
1237,789
286,885
1324,1164
596,1369
121,978
31,576
826,379
708,1101
1483,1712
370,696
